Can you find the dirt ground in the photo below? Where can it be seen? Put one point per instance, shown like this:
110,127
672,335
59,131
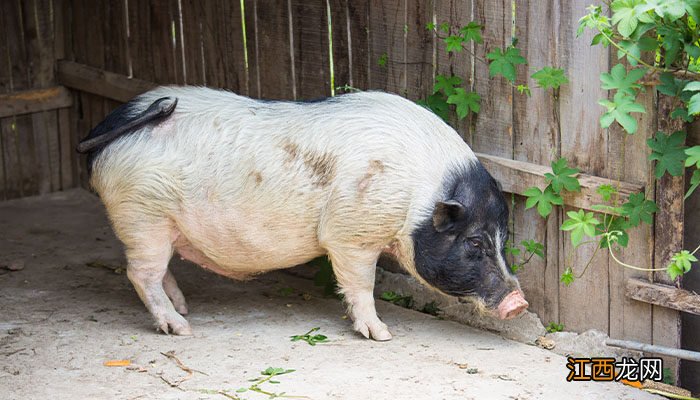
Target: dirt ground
71,308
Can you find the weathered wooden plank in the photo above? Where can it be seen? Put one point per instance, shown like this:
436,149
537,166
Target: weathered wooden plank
34,100
583,304
311,52
38,25
341,42
223,46
163,41
494,122
663,295
457,14
26,173
66,158
516,176
274,56
668,237
627,160
192,20
419,67
387,59
99,82
536,138
359,44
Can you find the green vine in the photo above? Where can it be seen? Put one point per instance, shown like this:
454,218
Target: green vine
660,41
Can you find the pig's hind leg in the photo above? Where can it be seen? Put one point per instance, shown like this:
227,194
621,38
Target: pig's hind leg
354,269
174,293
148,250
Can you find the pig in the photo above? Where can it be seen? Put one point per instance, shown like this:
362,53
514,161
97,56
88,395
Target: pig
243,186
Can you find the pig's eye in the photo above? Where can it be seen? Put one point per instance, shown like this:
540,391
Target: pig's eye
475,242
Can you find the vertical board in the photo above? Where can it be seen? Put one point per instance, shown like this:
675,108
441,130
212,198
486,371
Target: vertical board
357,26
494,123
23,173
628,161
223,50
668,238
419,50
387,60
66,152
274,54
193,30
536,139
583,304
38,26
341,42
458,14
311,51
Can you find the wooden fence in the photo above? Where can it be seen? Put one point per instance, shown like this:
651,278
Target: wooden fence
303,49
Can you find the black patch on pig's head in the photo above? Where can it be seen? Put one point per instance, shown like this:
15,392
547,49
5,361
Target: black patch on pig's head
459,249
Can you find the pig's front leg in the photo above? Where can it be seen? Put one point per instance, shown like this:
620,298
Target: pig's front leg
354,269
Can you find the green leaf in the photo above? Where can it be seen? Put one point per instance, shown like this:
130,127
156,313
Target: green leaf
524,89
693,154
638,209
511,250
669,9
621,80
563,177
549,77
430,26
465,101
445,27
534,247
580,223
672,42
382,60
615,224
437,103
543,200
694,105
619,110
680,263
454,43
627,14
692,87
634,48
681,113
472,31
606,191
670,85
446,84
567,277
503,63
694,183
669,152
692,7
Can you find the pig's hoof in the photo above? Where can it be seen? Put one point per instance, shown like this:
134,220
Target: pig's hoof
376,330
178,326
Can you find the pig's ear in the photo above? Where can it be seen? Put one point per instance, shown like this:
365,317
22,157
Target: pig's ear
446,213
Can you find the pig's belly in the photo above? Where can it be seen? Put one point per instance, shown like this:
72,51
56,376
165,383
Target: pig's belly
236,243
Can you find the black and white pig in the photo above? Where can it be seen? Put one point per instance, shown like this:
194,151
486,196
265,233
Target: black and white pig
243,186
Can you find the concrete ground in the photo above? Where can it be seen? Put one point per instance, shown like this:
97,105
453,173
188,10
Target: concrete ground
71,309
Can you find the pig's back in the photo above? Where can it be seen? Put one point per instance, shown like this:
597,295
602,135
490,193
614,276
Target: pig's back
250,182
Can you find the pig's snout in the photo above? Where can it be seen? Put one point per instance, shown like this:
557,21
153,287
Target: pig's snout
512,305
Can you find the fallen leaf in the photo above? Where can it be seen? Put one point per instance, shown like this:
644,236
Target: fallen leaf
117,363
636,384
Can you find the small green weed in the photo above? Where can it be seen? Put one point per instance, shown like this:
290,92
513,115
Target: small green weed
399,300
310,339
554,327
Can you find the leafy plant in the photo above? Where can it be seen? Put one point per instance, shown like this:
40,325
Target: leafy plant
554,327
324,277
432,308
530,249
504,62
267,376
399,300
309,338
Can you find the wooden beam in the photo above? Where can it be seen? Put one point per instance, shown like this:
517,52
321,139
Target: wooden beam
100,82
664,296
516,176
36,100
